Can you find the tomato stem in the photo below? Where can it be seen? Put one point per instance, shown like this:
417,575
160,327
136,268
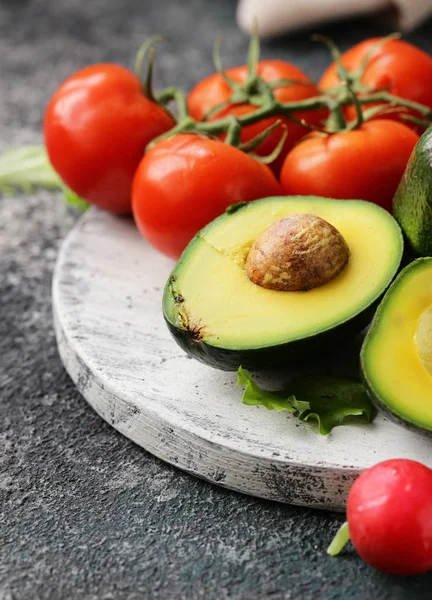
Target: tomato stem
216,109
180,100
166,95
141,54
337,119
219,126
339,541
358,108
281,82
360,71
174,94
218,63
413,119
278,149
259,93
258,139
233,132
275,108
343,73
148,88
253,56
397,101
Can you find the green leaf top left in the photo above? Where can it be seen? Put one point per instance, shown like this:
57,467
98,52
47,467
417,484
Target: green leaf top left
28,167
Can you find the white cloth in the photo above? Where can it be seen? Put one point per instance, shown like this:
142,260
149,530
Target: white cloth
274,17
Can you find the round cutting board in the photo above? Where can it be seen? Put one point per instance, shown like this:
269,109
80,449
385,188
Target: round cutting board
113,342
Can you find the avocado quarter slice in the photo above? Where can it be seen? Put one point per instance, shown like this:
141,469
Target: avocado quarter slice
219,316
396,355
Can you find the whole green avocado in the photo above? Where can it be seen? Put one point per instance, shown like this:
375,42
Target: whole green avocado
412,204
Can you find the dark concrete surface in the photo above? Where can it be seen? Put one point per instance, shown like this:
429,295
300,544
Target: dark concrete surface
84,512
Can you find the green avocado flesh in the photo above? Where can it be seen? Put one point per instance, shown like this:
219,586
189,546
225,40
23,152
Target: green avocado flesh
223,319
396,356
412,204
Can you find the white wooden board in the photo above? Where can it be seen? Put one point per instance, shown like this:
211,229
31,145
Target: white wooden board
113,341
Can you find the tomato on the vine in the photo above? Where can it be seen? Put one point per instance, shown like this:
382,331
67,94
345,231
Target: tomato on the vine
394,66
214,90
96,126
365,163
389,513
186,181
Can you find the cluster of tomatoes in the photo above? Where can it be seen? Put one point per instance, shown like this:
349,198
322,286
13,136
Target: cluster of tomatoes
120,148
124,151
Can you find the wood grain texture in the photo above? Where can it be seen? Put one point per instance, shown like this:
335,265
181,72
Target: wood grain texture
113,342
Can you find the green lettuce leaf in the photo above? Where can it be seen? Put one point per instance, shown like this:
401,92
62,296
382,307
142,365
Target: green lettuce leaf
328,400
26,168
253,395
74,200
22,169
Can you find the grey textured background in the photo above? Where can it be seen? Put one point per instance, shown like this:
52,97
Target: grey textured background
84,512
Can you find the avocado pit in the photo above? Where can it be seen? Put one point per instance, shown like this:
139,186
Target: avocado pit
297,253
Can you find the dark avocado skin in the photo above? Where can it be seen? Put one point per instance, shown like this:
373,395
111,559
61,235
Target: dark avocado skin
380,405
282,355
412,204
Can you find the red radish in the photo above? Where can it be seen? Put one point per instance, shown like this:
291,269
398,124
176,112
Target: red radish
389,514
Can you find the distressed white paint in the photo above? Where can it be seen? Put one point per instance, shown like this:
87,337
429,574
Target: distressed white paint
113,341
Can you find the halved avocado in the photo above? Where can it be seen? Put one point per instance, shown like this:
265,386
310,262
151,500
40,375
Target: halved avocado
396,356
219,316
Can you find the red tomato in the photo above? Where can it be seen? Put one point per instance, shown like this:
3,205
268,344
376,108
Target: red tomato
389,514
186,181
396,66
366,163
213,90
96,126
